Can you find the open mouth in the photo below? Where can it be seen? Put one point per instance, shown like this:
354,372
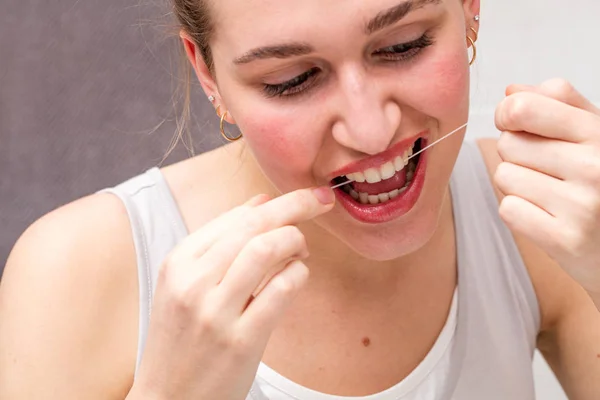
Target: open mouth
387,182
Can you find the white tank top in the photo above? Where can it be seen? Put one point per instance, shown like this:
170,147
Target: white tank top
484,351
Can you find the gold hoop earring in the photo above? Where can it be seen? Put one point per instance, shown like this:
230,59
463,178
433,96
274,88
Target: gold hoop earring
222,127
472,42
474,50
475,32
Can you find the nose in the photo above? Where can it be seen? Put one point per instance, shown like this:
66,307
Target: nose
367,116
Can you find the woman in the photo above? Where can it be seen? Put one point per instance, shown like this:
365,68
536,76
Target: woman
195,277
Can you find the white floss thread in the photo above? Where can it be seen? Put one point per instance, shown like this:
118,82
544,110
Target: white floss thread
415,154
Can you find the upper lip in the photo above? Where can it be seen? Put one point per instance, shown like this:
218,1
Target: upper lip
377,160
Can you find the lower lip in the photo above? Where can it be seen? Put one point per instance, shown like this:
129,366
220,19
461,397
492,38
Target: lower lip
391,209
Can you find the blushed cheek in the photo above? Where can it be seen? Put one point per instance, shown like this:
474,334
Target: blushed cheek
447,91
284,148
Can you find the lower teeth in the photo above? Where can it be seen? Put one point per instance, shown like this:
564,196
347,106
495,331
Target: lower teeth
365,198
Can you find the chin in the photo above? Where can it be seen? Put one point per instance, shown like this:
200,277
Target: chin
389,241
402,221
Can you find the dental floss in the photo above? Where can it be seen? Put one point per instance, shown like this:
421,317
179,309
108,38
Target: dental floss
415,154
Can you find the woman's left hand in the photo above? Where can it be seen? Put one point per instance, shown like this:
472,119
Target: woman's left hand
550,174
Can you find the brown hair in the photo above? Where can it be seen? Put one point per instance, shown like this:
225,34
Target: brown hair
193,18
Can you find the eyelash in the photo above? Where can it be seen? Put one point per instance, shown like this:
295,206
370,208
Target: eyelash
405,51
397,53
293,86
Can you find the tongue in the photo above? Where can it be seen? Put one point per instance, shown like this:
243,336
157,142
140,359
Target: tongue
395,182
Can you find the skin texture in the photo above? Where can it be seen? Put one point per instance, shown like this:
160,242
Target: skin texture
359,106
74,332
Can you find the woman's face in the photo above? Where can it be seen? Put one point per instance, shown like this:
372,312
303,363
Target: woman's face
328,88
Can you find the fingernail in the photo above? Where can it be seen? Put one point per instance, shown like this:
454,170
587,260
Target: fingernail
324,195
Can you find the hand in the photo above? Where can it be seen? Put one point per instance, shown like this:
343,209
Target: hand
550,145
220,294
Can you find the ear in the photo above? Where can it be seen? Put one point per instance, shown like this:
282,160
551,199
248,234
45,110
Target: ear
471,9
205,77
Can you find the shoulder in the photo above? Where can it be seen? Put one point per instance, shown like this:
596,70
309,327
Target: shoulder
68,304
556,291
214,182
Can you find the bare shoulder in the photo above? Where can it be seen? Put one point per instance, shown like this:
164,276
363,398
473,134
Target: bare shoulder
214,182
570,328
68,305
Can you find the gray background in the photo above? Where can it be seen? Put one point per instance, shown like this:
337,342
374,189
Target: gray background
82,85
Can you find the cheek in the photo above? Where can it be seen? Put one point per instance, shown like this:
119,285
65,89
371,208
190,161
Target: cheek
446,80
282,145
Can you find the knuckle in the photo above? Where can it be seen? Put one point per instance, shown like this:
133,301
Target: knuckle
168,265
507,208
179,297
503,145
504,209
180,293
178,256
294,236
240,344
261,248
167,281
558,88
517,109
208,319
283,286
502,176
181,302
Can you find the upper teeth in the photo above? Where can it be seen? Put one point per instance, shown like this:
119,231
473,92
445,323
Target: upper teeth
385,171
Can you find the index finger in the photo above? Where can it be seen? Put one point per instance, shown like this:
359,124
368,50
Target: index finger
293,208
197,242
544,116
288,209
558,89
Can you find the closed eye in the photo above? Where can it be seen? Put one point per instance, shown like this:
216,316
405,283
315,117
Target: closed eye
302,82
294,86
404,51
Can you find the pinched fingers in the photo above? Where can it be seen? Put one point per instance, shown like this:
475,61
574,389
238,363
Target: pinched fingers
196,244
243,224
263,257
535,113
291,209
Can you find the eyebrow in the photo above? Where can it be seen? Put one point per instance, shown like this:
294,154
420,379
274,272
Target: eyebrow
381,21
277,51
395,14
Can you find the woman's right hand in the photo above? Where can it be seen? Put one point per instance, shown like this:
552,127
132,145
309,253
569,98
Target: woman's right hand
220,294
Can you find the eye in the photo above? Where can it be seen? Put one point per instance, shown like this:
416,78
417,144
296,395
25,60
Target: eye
292,87
404,51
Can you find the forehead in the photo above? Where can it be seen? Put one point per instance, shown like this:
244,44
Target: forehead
244,23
